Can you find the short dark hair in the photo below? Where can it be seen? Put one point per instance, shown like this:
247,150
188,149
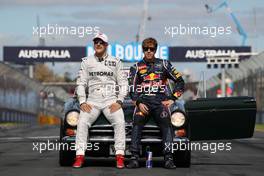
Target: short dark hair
148,41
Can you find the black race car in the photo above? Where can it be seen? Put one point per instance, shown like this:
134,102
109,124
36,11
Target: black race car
195,120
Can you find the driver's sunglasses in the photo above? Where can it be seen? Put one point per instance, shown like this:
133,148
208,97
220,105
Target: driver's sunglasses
99,42
152,49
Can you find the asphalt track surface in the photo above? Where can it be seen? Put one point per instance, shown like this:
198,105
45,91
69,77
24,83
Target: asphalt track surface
18,158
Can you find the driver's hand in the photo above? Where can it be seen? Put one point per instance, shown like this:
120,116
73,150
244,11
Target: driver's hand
167,103
114,107
134,103
85,107
143,108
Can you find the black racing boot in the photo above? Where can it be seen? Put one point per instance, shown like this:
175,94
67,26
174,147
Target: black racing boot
133,162
168,162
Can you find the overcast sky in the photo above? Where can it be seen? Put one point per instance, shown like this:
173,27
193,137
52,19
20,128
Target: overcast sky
120,19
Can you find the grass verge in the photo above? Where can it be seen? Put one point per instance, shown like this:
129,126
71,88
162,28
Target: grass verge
259,127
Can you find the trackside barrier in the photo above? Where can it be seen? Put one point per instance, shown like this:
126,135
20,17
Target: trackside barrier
21,101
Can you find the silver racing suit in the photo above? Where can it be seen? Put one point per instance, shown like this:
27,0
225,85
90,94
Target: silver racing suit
106,84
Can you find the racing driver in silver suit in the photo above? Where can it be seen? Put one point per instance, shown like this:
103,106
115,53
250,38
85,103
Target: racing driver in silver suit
102,75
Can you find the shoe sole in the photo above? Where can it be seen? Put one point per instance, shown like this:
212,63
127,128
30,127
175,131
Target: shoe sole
170,167
77,166
120,167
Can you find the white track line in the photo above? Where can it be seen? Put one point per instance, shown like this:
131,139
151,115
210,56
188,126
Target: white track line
30,137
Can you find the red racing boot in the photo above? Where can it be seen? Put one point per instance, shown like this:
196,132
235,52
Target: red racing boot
120,161
79,161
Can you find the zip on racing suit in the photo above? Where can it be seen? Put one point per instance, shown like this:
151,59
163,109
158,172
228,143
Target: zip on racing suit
106,84
149,82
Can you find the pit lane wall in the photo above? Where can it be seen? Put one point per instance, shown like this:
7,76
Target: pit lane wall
21,102
247,80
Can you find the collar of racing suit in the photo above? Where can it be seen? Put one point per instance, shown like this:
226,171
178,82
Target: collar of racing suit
100,59
149,62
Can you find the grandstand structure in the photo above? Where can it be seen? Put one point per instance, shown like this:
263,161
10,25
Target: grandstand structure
23,99
247,80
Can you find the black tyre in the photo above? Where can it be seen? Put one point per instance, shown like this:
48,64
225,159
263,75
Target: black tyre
182,158
66,157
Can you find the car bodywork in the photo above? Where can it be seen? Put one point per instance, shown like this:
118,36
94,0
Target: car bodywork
204,119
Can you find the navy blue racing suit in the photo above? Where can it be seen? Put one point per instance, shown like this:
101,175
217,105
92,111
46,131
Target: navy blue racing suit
149,85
